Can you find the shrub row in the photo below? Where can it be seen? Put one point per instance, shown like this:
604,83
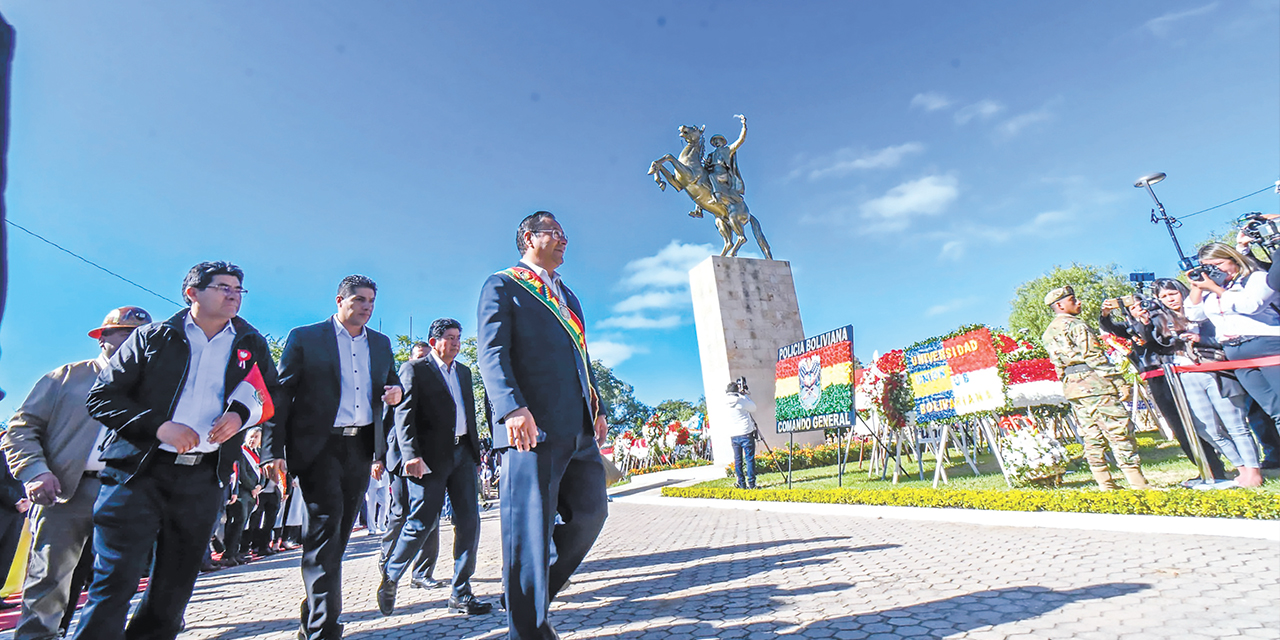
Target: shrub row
678,464
1177,502
823,455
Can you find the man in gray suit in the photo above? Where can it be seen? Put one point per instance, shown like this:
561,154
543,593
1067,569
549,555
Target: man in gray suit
537,373
52,448
335,376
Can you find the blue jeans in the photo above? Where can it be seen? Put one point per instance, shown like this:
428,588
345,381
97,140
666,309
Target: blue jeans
744,455
1264,385
171,507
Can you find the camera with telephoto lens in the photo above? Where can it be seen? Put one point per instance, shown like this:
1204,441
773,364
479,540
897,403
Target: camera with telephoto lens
1261,230
1218,276
742,386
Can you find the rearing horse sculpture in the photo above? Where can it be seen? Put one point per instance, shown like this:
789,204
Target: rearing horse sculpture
687,173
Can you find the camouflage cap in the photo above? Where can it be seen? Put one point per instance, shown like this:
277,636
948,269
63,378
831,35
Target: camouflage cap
1058,294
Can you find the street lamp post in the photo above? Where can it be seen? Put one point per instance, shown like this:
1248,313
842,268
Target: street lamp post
1184,263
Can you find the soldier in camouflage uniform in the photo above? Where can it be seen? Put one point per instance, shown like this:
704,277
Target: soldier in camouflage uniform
1092,385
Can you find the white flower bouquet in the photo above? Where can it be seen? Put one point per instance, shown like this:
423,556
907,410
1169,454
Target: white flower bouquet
1031,456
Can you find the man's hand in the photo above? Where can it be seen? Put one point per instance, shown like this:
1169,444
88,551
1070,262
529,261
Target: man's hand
602,429
392,394
522,431
178,435
256,491
44,489
416,468
1109,305
277,467
227,425
376,470
22,505
1190,337
234,497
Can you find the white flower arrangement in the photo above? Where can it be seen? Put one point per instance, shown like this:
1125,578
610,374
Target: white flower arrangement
1030,455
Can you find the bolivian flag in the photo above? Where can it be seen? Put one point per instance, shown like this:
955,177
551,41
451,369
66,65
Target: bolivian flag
815,383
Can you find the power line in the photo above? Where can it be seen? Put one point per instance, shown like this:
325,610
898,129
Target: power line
90,262
1226,203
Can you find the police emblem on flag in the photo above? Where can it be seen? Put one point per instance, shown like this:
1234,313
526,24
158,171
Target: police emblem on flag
809,372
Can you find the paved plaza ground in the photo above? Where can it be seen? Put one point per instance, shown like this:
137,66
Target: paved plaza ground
666,568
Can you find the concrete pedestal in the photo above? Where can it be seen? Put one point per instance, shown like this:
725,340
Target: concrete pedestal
744,310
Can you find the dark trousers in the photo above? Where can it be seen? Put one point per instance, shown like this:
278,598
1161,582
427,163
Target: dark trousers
424,563
1264,386
332,487
171,507
560,475
1163,397
11,523
237,517
744,460
262,522
426,498
80,579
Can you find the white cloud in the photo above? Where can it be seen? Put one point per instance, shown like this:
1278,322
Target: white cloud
668,268
637,321
949,306
1162,26
983,109
930,101
952,250
653,300
611,352
847,160
927,196
1013,126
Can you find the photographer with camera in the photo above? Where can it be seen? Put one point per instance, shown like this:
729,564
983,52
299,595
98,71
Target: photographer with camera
1131,317
741,431
1227,291
1263,231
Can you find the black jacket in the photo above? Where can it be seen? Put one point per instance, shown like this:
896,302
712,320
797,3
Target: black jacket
139,390
311,388
425,419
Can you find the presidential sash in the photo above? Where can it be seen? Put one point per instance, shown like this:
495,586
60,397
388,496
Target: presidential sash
568,319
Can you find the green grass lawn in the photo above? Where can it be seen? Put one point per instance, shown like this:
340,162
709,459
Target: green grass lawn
1162,462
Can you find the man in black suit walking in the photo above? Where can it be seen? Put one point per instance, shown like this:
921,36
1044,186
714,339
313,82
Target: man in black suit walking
335,376
436,450
537,374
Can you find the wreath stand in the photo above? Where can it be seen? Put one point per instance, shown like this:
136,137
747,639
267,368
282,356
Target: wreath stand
983,428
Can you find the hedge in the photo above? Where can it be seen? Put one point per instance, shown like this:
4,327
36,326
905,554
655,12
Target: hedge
1176,502
678,464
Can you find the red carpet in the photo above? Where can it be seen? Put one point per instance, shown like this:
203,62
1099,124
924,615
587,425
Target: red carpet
9,617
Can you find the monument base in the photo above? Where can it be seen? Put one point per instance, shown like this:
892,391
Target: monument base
744,310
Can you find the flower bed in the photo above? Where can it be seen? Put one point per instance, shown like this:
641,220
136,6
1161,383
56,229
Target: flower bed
1178,502
679,464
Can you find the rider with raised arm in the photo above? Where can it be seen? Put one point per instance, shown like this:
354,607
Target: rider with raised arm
722,164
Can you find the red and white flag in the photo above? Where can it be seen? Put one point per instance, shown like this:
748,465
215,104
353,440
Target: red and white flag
252,397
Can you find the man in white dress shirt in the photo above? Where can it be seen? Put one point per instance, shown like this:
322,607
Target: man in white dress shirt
335,376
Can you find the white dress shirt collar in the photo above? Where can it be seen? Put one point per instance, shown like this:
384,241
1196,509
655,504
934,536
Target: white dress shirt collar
451,380
552,280
355,402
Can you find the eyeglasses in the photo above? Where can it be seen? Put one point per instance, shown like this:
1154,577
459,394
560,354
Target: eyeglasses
227,289
554,233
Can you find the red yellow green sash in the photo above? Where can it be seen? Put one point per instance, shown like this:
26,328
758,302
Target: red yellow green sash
568,319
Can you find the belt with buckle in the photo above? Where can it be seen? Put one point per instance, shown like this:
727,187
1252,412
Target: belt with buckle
182,459
1077,368
456,440
351,430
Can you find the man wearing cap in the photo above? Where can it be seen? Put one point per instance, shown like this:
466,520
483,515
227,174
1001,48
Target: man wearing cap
1089,382
52,447
176,396
336,375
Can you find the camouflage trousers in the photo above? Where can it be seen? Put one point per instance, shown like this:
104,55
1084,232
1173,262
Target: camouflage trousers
1103,419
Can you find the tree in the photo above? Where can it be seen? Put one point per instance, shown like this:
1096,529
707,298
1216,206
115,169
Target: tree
621,408
669,410
1092,285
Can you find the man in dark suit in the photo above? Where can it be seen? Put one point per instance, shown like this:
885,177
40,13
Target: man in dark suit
537,374
425,563
436,450
335,376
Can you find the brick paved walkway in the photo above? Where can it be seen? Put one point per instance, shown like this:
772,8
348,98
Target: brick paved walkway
671,571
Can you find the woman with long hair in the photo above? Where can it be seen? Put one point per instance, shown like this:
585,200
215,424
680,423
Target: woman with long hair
1245,313
1219,405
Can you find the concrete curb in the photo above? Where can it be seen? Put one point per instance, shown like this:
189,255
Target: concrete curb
644,490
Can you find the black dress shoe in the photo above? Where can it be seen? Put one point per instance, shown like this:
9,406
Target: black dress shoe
428,583
386,596
468,604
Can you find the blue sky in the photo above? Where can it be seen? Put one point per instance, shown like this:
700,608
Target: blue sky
914,161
